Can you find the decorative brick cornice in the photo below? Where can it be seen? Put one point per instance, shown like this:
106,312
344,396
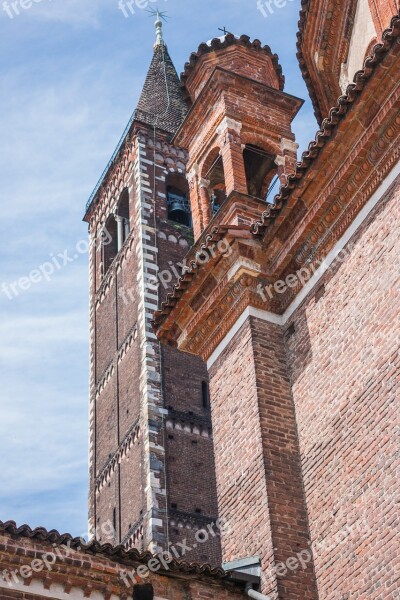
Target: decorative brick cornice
134,534
192,423
230,40
179,518
105,378
123,449
127,343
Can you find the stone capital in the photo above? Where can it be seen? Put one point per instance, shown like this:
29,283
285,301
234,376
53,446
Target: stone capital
289,145
228,123
193,173
243,266
280,161
204,183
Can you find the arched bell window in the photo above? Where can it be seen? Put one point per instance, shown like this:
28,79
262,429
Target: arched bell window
213,172
109,243
123,218
261,171
115,231
178,203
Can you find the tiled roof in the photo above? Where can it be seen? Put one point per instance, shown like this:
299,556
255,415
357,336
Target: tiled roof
231,40
116,553
162,100
329,125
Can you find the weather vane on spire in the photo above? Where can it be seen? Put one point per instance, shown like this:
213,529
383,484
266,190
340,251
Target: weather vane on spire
160,17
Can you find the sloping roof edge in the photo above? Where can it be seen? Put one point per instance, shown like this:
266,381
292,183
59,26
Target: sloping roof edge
106,550
305,5
336,115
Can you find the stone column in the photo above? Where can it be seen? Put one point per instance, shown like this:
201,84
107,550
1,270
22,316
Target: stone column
204,185
120,231
195,201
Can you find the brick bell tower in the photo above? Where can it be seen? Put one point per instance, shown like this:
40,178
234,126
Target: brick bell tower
152,470
240,143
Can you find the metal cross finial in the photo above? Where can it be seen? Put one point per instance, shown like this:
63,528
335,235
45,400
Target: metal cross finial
224,31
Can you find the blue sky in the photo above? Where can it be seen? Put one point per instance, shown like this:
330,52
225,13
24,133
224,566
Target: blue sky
71,74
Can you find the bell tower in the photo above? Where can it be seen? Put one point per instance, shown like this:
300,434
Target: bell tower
238,133
152,471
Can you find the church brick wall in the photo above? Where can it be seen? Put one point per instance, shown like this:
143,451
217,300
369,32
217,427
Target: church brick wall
128,296
106,418
344,356
128,378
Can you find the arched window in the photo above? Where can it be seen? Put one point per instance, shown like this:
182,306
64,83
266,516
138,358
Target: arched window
109,243
178,199
260,170
213,172
123,218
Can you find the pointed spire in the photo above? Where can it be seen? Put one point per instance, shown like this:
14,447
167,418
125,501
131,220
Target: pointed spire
162,100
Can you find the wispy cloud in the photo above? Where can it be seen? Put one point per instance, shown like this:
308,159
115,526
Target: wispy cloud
68,12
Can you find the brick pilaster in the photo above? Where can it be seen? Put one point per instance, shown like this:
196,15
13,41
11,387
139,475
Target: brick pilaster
259,482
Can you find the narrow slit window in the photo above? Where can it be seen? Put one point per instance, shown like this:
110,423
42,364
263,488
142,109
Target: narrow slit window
205,393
